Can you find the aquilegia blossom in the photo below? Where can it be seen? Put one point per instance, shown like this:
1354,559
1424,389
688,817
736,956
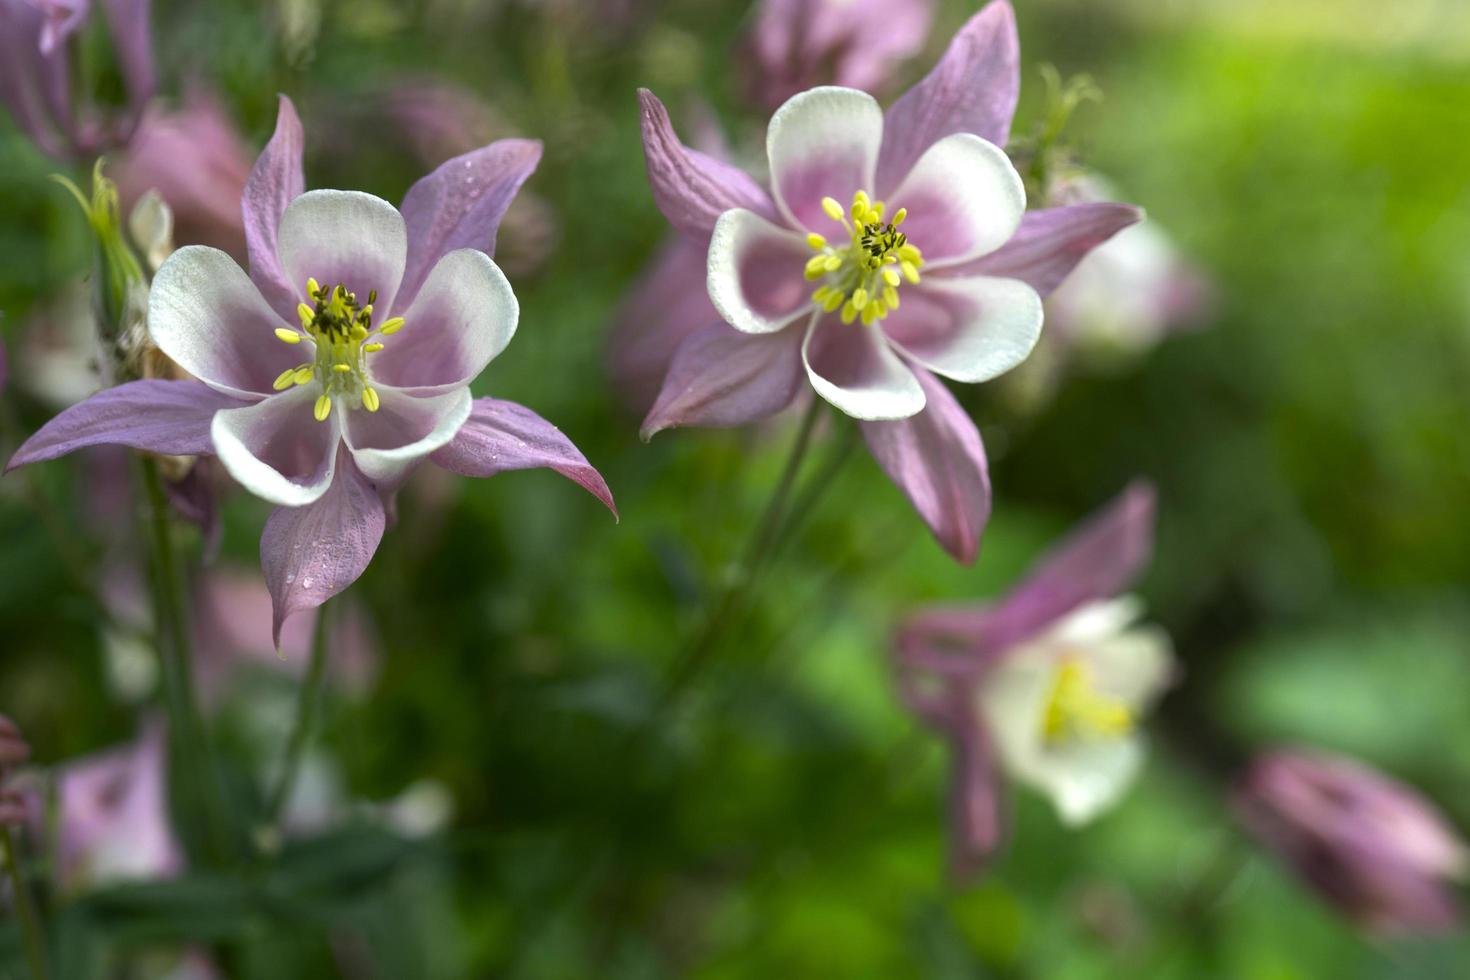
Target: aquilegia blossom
891,248
1047,683
341,362
36,50
1370,845
796,44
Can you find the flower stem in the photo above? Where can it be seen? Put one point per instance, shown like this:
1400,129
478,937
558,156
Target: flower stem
32,937
306,706
737,587
186,727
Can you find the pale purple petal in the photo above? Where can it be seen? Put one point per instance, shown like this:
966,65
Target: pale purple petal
1098,560
970,330
691,188
964,199
60,19
277,449
937,460
973,89
170,417
1050,242
35,86
463,316
276,180
854,368
822,143
206,314
755,273
311,553
501,436
344,238
658,313
721,377
386,444
460,205
798,44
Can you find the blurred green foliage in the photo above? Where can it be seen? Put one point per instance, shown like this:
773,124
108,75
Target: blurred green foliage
1310,448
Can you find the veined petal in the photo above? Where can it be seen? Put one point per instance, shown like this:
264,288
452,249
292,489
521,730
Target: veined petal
387,443
967,329
277,450
171,417
206,314
501,436
822,143
1049,243
655,317
720,377
973,89
275,181
937,460
311,553
964,199
755,271
463,317
852,366
344,238
460,205
691,188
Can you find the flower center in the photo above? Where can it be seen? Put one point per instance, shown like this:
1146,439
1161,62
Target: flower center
862,277
1075,711
343,334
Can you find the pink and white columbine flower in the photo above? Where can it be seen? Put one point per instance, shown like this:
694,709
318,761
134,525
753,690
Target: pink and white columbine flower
892,247
339,363
1046,684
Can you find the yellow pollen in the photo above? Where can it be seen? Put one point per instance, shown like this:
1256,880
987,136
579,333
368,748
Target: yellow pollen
390,327
1075,710
303,375
323,408
306,313
285,380
341,328
288,336
313,288
371,348
370,399
862,277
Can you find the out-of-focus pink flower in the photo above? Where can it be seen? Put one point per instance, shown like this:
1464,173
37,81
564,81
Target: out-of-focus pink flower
326,417
36,50
195,159
1046,683
1129,292
795,45
13,752
1369,845
855,317
113,810
232,612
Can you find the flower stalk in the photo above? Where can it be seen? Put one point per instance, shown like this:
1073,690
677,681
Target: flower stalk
306,709
32,938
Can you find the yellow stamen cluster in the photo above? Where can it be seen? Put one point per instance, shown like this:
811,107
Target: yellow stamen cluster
862,277
1075,710
341,331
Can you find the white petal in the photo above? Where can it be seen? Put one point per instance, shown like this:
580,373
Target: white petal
206,314
463,317
964,200
278,450
852,366
970,329
344,238
1085,779
387,443
823,142
755,273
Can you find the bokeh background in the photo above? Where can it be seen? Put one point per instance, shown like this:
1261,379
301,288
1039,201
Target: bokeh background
1309,440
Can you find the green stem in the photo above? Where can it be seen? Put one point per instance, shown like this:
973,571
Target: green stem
306,706
32,937
737,586
186,726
